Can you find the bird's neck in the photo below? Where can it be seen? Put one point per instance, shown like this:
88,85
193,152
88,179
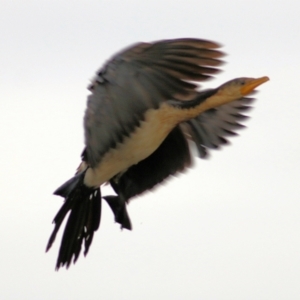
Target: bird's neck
186,110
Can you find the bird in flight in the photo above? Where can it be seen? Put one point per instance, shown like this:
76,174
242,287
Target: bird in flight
145,105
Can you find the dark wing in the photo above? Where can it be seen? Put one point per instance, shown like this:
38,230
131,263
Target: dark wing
172,156
140,78
211,128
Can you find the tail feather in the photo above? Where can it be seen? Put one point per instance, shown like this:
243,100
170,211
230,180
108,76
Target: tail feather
84,205
69,186
58,221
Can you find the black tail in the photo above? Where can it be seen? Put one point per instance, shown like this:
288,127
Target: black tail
84,205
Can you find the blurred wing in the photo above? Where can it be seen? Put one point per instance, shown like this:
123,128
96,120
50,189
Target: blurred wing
172,156
211,129
140,78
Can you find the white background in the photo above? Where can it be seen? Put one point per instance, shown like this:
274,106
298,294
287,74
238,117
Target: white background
226,229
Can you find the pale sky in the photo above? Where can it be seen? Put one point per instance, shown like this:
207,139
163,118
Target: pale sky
227,229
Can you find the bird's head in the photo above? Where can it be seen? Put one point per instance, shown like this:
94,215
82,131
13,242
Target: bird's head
240,87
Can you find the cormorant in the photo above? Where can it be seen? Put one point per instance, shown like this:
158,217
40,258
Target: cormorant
143,108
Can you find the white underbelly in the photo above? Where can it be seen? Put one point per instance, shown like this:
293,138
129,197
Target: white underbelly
140,144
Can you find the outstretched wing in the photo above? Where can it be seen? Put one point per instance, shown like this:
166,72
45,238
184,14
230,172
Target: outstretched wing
140,78
211,129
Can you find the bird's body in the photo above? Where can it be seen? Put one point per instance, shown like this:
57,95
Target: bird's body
142,109
142,142
146,138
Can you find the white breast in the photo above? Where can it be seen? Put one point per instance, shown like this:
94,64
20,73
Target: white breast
140,144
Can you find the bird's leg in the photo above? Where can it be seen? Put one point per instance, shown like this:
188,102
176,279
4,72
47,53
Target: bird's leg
118,206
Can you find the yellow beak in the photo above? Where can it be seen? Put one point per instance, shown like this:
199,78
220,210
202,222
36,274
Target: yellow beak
251,85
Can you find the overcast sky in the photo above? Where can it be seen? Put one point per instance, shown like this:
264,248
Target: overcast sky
226,229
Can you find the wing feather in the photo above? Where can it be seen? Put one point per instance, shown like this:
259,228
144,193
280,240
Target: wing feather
211,129
140,78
